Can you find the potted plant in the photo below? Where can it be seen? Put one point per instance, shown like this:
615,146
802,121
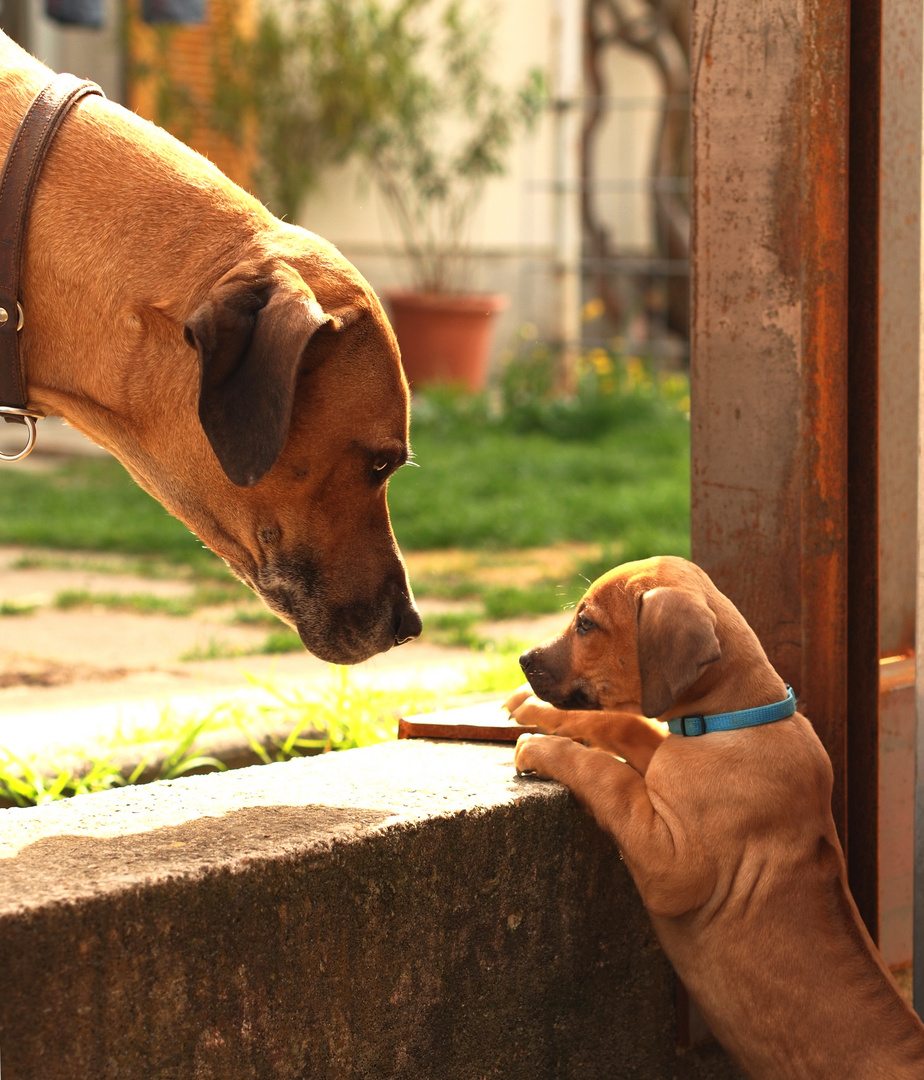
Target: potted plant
431,157
406,89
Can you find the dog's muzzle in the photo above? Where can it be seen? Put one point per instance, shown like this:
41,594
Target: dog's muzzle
336,631
549,685
537,674
354,633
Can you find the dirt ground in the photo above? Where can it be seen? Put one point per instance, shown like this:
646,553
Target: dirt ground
69,673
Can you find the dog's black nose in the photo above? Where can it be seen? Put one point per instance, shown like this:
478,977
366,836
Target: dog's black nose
407,624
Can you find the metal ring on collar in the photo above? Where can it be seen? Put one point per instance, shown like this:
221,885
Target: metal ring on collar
20,318
29,420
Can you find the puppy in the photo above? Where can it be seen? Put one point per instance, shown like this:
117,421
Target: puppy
728,834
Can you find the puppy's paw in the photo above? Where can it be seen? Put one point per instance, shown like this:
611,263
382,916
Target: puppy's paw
580,727
531,711
517,698
527,758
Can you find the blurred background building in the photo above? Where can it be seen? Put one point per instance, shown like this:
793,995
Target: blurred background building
587,232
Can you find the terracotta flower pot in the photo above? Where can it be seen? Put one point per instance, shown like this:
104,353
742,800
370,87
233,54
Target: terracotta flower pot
445,337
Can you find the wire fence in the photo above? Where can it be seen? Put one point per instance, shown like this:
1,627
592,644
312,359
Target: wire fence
630,203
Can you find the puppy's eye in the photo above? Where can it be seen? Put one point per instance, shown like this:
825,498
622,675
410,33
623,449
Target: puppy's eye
584,625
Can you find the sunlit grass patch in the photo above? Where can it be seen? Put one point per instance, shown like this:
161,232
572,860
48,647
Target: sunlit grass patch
23,783
17,607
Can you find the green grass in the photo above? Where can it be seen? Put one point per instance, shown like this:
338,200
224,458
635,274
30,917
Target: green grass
255,617
282,640
24,784
150,566
493,489
454,628
89,504
529,467
16,607
148,603
610,465
342,716
213,649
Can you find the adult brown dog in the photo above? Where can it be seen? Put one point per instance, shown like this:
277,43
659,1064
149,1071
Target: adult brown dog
239,367
728,835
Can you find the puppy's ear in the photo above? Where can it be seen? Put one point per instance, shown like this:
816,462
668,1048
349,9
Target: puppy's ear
676,641
251,334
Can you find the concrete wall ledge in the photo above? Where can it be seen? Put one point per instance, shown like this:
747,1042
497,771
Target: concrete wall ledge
410,911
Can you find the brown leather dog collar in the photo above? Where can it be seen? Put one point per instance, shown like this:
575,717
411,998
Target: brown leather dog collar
20,174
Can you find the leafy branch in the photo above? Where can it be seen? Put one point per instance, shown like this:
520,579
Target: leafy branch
404,88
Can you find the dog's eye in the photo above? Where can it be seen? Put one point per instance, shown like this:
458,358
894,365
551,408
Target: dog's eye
584,625
382,468
387,461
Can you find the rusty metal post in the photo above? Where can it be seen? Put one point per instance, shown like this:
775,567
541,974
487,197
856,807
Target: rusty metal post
822,444
773,381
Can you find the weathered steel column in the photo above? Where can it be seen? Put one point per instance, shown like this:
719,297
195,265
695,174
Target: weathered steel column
773,495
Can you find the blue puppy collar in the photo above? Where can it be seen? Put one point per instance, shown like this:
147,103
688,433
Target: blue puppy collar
729,721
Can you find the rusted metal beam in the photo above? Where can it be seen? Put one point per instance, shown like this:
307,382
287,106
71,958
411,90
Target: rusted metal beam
782,498
746,367
822,452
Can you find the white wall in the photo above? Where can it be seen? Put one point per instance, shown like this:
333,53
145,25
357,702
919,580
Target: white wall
626,146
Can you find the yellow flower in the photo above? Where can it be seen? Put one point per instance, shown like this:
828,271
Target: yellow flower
674,384
635,370
601,361
593,309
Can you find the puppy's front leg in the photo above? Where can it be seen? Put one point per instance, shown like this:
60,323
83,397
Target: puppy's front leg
668,866
633,738
610,790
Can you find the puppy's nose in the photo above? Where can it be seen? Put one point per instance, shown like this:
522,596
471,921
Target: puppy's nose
407,624
528,661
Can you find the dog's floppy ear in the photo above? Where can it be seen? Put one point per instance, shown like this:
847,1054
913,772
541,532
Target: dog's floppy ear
251,333
676,641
